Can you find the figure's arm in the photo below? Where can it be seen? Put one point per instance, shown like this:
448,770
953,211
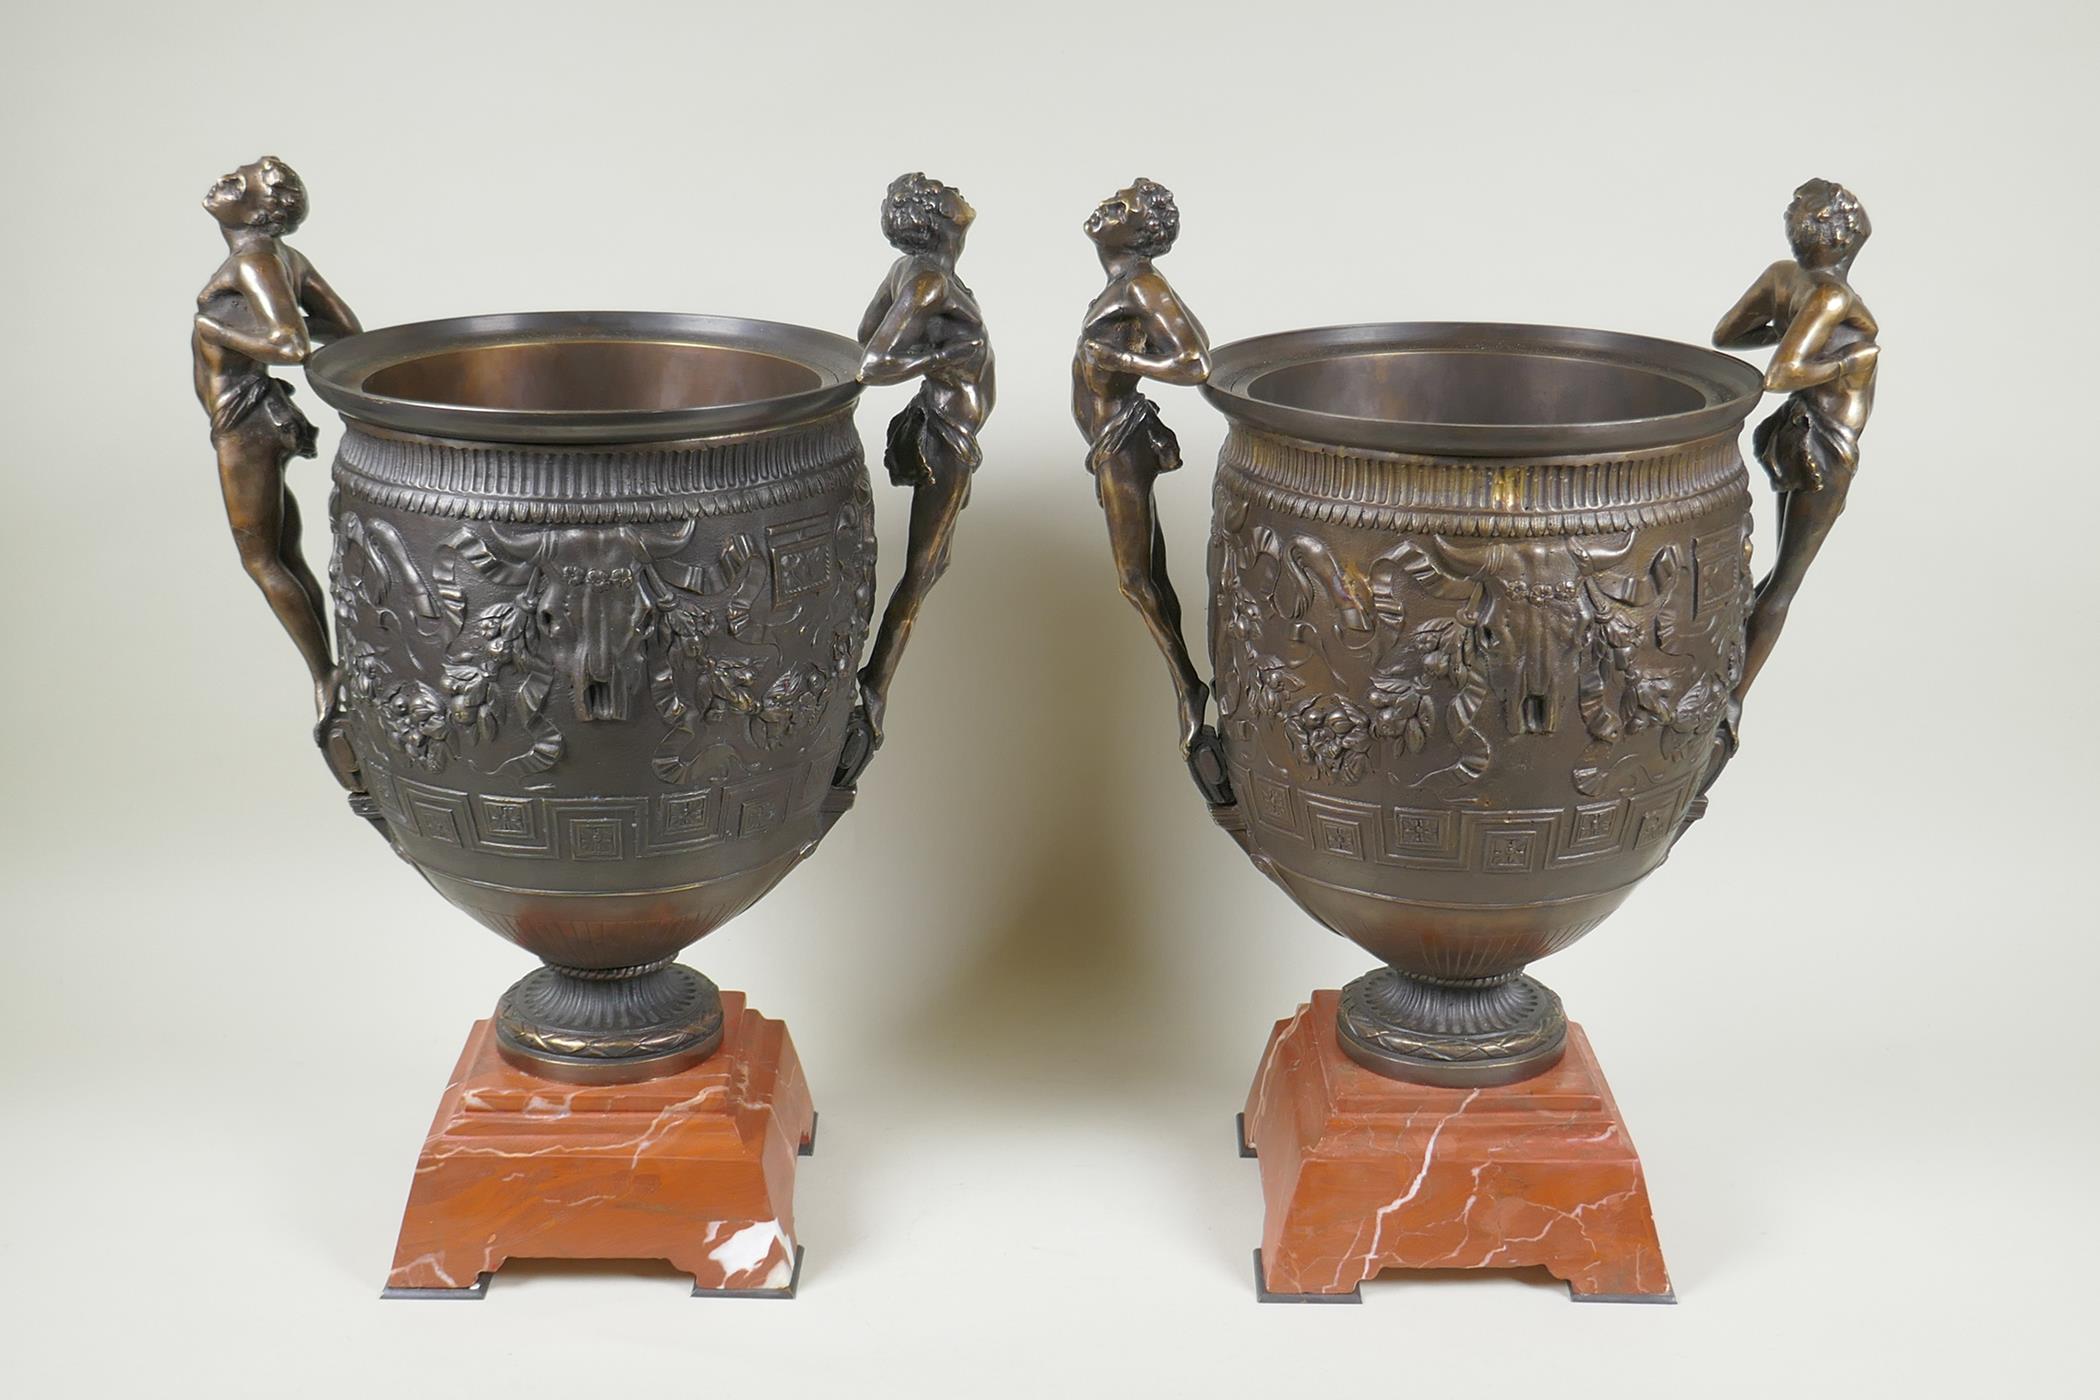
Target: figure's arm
1185,358
332,314
1799,362
222,282
871,319
901,347
281,338
1748,323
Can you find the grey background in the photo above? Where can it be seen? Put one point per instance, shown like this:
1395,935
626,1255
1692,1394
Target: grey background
1850,1022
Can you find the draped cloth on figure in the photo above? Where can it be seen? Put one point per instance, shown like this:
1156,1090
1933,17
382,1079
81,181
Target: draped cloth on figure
272,399
1803,449
1136,422
917,429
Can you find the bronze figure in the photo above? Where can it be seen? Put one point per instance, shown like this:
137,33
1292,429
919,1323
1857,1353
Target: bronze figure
266,305
1137,329
924,324
1825,362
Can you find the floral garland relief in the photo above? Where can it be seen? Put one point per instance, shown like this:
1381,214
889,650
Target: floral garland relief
1533,620
449,670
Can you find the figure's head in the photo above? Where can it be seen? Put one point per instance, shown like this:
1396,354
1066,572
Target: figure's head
1826,224
1140,219
266,195
920,214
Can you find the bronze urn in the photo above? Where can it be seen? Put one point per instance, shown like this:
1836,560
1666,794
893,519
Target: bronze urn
601,583
1481,608
1478,599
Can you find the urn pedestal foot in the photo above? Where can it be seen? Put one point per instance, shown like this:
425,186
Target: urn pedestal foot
613,1026
1361,1172
697,1168
1460,1034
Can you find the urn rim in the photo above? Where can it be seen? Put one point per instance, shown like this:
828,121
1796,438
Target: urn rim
1313,383
472,378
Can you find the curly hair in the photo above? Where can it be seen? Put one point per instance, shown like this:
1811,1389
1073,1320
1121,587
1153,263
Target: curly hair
283,205
1826,216
914,208
1158,219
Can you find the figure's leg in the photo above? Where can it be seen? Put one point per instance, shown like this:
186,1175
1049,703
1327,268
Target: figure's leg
1160,578
1805,518
291,550
935,507
1164,582
251,475
1139,546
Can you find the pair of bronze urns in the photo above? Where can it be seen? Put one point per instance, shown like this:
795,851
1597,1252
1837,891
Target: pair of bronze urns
1481,611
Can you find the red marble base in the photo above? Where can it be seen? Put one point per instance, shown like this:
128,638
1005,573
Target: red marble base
1361,1173
697,1168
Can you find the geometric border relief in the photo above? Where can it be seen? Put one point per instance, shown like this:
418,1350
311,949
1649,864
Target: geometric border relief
801,554
1717,562
586,828
1520,842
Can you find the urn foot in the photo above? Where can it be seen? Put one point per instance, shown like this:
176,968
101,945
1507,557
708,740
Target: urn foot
610,1026
1458,1034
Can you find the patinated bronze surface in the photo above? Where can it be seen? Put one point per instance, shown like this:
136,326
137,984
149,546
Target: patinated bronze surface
597,686
1478,621
601,582
1825,361
923,324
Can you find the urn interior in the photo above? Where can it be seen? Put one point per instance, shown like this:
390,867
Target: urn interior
1473,388
597,377
591,375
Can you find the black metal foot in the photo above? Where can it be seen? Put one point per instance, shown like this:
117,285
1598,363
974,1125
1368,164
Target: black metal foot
476,1290
809,1144
794,1281
1575,1297
1239,1130
1263,1295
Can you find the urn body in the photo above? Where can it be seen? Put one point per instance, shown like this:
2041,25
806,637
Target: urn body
596,690
597,695
1477,615
1468,703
